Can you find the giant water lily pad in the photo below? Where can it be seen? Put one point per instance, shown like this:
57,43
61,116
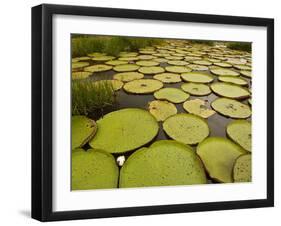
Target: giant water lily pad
236,61
161,110
202,62
234,80
147,63
168,77
98,68
186,128
78,65
243,67
173,95
174,57
80,74
224,72
223,64
164,163
247,74
231,108
197,67
143,86
197,77
230,90
177,69
124,130
196,89
126,67
116,62
192,58
160,60
103,58
128,76
146,57
198,107
82,130
242,170
128,58
96,54
178,62
218,155
240,131
93,169
151,70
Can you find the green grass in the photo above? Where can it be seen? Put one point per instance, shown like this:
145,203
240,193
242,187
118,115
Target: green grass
111,45
87,97
245,46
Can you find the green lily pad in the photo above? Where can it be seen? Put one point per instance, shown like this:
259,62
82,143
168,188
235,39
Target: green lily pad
177,69
128,54
103,58
223,64
128,58
231,108
198,107
173,95
218,155
147,52
93,169
143,86
128,76
197,77
160,60
80,74
164,163
126,67
96,54
196,67
196,89
173,57
78,65
234,80
168,77
116,62
98,68
151,70
224,72
192,58
178,62
230,90
147,63
186,128
243,67
247,74
242,170
202,62
146,57
240,131
125,130
236,61
82,130
250,101
161,110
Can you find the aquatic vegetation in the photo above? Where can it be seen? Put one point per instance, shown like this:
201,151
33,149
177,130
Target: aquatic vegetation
196,89
78,65
143,86
242,170
147,63
177,62
231,108
167,77
234,80
98,68
240,131
80,74
116,62
173,95
186,128
164,163
202,62
87,97
229,90
243,67
247,74
103,58
151,70
245,46
198,107
218,155
223,64
126,67
177,69
116,84
196,67
197,77
124,130
161,110
224,72
82,129
93,169
128,76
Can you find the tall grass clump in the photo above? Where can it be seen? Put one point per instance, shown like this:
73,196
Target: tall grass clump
244,46
88,97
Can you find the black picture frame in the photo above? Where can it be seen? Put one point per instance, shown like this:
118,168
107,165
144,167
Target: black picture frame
42,111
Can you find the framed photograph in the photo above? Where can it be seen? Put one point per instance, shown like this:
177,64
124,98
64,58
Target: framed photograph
146,112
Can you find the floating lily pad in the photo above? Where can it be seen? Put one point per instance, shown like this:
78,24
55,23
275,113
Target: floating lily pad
98,68
192,58
196,89
243,67
198,107
164,163
250,101
96,54
103,58
125,130
202,62
161,110
218,155
82,129
116,62
78,65
230,90
126,67
168,77
240,131
146,57
242,170
224,72
93,169
80,75
147,63
128,58
128,54
223,64
177,69
160,60
128,76
231,108
247,74
151,70
186,128
197,67
197,77
234,80
173,95
178,62
174,57
236,61
143,86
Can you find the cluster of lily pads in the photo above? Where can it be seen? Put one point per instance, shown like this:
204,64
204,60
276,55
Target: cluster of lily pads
121,147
